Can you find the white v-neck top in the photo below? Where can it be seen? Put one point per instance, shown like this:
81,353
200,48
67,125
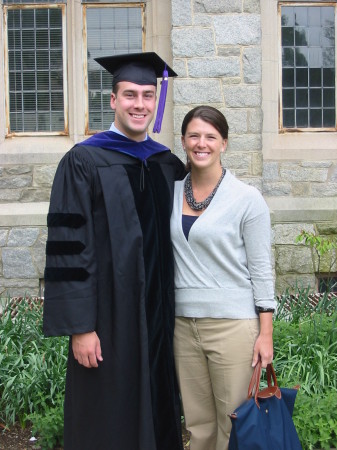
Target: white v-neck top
224,268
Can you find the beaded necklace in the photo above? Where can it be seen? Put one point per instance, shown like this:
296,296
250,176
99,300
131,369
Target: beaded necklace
192,203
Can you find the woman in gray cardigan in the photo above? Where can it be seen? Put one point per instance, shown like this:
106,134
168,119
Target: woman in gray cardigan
224,293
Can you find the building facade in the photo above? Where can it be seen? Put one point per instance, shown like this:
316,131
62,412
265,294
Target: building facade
268,65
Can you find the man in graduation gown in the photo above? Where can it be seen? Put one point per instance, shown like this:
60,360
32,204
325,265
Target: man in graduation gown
109,274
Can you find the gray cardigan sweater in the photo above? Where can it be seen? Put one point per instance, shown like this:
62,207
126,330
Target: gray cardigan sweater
224,269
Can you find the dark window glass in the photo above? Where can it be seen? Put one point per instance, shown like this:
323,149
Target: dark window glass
315,118
301,98
328,98
315,98
288,78
315,77
302,118
289,118
288,98
329,117
301,77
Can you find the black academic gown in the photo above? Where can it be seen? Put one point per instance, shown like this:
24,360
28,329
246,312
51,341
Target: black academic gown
109,269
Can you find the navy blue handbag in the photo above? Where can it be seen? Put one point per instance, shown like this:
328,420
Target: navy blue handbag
264,420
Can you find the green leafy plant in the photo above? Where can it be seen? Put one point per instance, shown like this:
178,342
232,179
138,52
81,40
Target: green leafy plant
320,246
315,419
306,353
32,368
48,425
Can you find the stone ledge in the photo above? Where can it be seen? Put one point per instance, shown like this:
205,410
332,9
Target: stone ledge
287,209
23,214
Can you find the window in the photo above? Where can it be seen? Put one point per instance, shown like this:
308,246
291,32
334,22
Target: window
36,67
109,30
308,99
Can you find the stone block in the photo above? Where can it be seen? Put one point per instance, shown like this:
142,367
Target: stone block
257,164
192,42
180,67
245,142
237,120
10,195
277,189
178,116
35,195
251,6
229,51
293,259
324,190
14,182
18,170
19,287
214,67
242,96
202,20
255,119
18,263
286,233
39,252
22,237
295,172
301,189
181,13
197,92
326,228
238,162
217,6
270,171
316,164
237,29
252,68
3,236
44,175
333,176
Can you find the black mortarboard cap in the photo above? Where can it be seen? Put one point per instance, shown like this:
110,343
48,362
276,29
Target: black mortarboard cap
142,69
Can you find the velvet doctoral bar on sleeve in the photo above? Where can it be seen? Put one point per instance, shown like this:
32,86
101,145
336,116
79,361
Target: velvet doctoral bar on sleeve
109,269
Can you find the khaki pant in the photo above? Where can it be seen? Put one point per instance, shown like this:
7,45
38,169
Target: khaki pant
214,366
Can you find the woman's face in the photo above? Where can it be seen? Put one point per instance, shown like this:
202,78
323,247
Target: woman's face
203,144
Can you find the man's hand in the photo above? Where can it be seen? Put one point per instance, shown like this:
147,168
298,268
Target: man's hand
87,349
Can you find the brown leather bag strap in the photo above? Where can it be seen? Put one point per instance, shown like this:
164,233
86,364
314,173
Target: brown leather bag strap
254,385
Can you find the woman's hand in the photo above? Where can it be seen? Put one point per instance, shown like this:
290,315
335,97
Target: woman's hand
263,348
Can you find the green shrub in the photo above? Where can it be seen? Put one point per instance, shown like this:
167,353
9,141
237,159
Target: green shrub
32,368
306,353
48,425
315,419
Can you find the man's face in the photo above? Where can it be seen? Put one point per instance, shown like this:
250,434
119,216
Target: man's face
134,107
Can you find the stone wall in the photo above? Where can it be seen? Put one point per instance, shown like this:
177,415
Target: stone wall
22,260
22,248
300,178
217,55
26,183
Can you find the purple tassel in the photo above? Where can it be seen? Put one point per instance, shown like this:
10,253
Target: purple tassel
161,103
